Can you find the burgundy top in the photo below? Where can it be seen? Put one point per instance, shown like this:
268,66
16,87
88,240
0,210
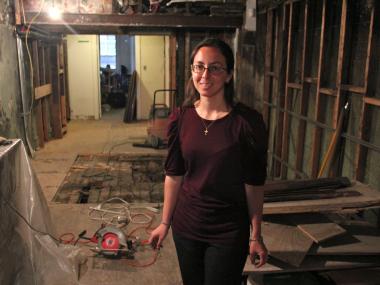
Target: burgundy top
212,204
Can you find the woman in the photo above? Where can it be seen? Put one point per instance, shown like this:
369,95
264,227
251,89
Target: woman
217,154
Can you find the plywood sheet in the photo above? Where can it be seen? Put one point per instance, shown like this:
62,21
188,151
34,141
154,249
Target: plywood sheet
316,226
359,240
285,241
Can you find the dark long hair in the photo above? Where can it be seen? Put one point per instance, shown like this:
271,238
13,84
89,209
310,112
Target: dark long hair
192,94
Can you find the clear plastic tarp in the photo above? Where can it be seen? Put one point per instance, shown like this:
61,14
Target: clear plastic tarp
29,253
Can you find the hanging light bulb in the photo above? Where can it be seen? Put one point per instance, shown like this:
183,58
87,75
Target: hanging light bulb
54,13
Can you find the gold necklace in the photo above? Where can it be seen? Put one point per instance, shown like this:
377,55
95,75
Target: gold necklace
206,126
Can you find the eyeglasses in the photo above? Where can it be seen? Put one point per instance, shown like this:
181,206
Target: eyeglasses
212,68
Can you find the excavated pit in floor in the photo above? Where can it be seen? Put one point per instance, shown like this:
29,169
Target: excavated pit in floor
95,178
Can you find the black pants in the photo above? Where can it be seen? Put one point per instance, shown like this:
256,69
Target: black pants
202,263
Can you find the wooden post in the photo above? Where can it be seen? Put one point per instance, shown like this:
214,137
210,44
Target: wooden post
37,104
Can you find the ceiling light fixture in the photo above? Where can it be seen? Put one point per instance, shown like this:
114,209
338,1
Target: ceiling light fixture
54,13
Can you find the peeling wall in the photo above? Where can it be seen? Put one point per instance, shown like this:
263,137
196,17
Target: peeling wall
10,119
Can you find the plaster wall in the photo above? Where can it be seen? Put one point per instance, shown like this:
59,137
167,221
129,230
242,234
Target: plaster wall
11,125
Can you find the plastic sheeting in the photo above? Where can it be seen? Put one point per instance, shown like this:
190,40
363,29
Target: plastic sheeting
29,256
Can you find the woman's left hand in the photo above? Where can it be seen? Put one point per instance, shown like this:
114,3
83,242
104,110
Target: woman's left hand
257,249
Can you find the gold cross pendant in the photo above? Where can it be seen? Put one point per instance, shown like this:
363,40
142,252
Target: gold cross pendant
206,132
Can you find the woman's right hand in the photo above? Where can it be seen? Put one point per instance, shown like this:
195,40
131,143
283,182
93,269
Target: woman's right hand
158,235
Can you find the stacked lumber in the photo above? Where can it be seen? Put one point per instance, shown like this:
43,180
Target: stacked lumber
306,231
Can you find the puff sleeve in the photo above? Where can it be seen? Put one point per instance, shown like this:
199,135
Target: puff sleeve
254,141
174,164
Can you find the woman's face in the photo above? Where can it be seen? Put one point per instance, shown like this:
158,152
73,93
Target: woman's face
209,72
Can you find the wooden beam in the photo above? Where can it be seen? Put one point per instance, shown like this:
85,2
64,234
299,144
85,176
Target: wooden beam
42,91
78,23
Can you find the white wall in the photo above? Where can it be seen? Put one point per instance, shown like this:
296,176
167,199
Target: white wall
83,76
152,61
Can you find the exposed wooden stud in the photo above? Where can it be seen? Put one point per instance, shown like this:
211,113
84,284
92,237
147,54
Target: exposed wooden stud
369,48
268,65
44,102
372,101
310,80
328,91
294,85
318,131
353,89
361,151
18,8
301,133
38,105
339,86
285,132
55,109
65,70
277,87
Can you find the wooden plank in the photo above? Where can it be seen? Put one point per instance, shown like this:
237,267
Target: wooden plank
360,239
316,147
42,91
315,263
368,198
316,226
293,245
333,145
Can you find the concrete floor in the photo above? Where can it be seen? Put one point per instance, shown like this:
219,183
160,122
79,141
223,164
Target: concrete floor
51,164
